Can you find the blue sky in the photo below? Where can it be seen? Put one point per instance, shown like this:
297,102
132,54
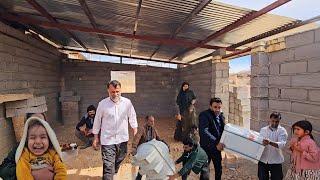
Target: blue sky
298,9
240,64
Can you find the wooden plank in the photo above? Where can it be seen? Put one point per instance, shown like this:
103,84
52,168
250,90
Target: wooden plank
14,97
18,126
36,101
13,112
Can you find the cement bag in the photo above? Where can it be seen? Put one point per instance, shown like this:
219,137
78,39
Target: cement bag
154,161
242,141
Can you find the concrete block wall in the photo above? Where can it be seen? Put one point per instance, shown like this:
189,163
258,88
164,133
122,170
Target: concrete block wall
292,83
297,97
27,65
7,137
220,84
235,108
200,78
156,88
208,79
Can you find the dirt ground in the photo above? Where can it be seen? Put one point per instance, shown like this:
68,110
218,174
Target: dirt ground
88,164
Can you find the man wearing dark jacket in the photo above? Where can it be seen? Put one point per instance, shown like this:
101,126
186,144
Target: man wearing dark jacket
211,125
85,134
195,159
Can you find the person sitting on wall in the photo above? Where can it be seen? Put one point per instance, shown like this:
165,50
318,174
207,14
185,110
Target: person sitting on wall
85,134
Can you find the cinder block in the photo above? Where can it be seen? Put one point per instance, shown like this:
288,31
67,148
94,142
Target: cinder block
69,98
5,76
259,92
314,95
280,80
220,66
260,81
66,93
299,94
308,80
13,112
317,35
36,101
259,103
259,70
289,117
259,59
293,68
2,86
314,65
218,74
315,123
225,73
280,105
282,56
16,84
307,109
307,51
300,39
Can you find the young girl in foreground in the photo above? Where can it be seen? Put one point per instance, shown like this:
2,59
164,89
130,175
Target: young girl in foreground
305,161
38,155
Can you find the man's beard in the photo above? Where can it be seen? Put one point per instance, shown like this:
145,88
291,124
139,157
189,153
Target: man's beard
274,126
217,113
115,98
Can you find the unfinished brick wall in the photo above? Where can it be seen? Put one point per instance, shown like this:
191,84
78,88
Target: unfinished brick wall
199,76
288,81
7,139
155,87
235,108
26,65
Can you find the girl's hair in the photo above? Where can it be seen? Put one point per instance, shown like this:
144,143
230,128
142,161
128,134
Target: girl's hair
305,125
184,83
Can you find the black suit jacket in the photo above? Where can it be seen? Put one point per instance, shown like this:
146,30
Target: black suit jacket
209,130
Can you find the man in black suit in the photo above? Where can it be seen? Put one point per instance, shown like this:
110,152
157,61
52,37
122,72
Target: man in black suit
211,125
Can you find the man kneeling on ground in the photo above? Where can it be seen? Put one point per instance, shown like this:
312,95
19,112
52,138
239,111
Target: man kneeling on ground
85,134
194,158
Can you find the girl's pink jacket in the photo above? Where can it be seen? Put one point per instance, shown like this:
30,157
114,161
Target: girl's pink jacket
309,159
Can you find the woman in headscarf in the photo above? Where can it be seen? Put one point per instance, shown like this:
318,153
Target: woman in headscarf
185,100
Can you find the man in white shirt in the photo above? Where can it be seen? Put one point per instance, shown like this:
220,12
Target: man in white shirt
111,122
272,157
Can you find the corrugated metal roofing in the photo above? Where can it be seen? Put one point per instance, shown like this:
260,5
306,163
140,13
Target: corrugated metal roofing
157,18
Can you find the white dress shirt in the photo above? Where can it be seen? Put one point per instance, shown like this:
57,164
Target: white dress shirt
112,120
271,154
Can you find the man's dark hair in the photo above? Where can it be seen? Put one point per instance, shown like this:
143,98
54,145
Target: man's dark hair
91,108
148,116
216,100
275,115
188,141
114,83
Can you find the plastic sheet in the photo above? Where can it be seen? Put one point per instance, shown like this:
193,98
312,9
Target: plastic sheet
242,141
154,160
